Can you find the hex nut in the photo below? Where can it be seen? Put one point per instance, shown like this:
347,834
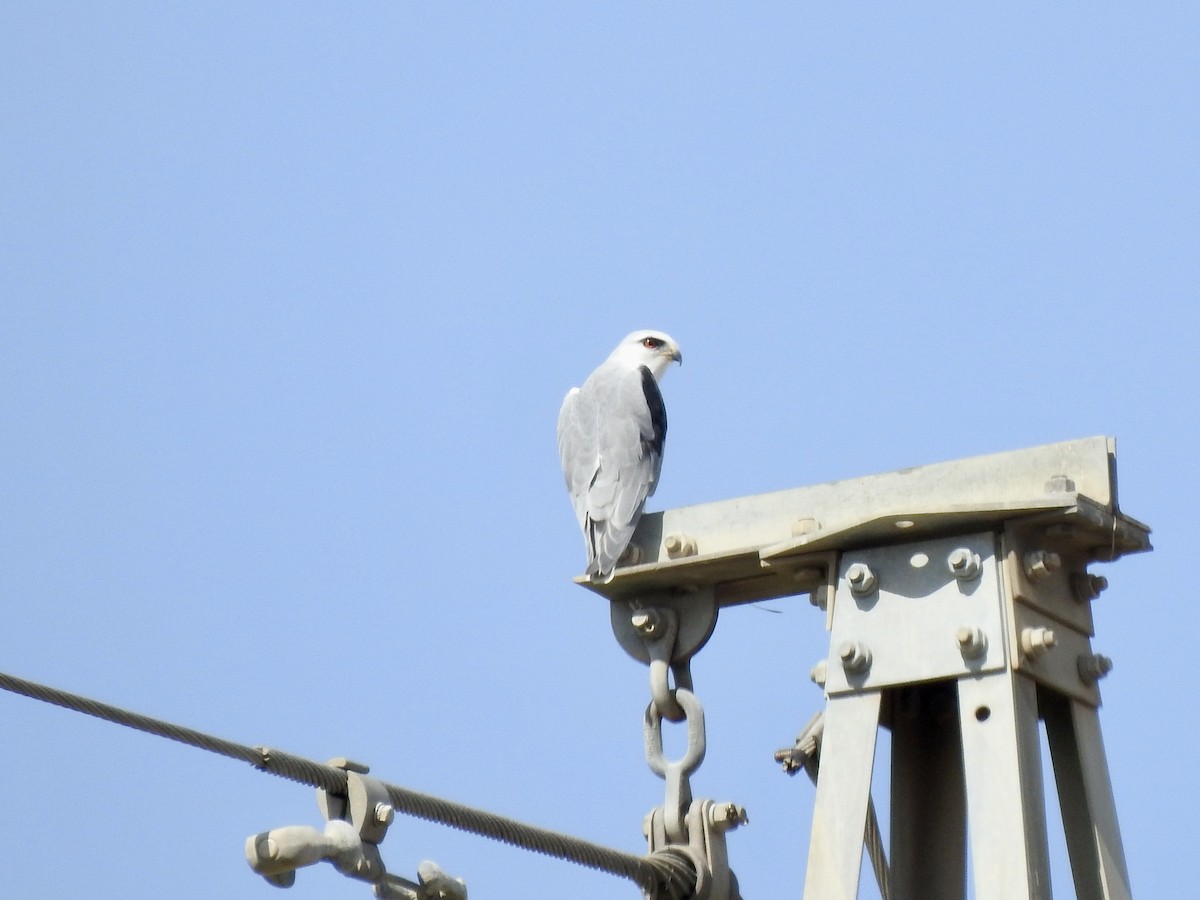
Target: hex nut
631,556
861,579
972,642
646,621
1093,667
1040,564
1086,587
1059,484
817,673
727,816
679,545
855,656
964,564
1036,641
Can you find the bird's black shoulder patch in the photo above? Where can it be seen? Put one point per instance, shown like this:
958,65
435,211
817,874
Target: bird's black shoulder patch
658,410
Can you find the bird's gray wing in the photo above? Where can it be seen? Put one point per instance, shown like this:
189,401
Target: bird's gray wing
610,437
577,448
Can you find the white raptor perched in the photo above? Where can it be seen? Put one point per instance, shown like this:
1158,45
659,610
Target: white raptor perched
610,440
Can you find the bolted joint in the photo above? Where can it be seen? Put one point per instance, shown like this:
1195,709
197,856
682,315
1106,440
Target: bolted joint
1041,564
817,673
727,816
1036,641
1093,667
1060,484
964,564
792,759
648,622
679,545
861,579
972,642
855,656
1087,587
385,813
805,525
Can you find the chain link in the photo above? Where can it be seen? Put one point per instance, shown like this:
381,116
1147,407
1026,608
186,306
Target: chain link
659,628
677,773
692,829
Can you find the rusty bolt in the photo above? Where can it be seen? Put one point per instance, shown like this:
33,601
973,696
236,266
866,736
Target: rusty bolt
1036,641
964,564
1040,563
861,579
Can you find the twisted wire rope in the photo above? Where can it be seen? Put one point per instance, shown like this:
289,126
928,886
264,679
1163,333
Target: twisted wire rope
664,874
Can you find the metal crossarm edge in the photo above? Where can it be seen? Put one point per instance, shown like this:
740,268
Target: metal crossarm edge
664,874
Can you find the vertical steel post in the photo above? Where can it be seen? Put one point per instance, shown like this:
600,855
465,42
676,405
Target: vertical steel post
928,814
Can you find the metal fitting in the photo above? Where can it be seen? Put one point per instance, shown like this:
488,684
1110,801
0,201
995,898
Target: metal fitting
817,673
384,813
855,656
861,579
805,525
1087,587
1036,641
964,564
972,642
647,621
679,545
1041,563
727,816
1060,484
1093,667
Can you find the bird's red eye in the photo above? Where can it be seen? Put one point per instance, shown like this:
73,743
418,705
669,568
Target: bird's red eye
651,343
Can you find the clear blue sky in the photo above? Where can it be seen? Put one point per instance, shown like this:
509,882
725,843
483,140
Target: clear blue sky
292,292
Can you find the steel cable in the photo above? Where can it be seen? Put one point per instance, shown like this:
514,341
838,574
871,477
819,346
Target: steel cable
665,875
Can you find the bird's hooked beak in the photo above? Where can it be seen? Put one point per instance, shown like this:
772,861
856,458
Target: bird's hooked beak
676,355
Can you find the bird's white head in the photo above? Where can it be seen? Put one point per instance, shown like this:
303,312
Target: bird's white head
655,350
